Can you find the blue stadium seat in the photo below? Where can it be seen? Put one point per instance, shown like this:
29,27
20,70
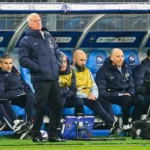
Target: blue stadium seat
68,111
95,60
132,59
87,111
68,53
116,109
25,73
18,110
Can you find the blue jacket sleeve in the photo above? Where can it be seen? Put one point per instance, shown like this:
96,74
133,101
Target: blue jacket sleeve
6,95
72,90
24,53
139,78
101,81
131,86
57,53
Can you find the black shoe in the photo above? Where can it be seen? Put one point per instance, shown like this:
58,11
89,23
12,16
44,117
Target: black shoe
56,139
37,139
127,132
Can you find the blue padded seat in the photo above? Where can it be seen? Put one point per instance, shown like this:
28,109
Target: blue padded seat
117,109
95,61
25,73
19,110
68,111
132,59
68,53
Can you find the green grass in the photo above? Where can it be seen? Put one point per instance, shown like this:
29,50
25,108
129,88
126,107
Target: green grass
128,144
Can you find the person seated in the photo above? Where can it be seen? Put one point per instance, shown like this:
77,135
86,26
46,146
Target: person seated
87,88
142,81
13,88
67,83
115,84
9,118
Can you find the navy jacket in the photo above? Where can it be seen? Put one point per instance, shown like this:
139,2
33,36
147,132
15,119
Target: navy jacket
111,81
71,91
11,84
141,74
41,56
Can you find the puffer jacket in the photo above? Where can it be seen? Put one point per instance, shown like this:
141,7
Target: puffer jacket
12,85
70,91
142,73
111,82
40,55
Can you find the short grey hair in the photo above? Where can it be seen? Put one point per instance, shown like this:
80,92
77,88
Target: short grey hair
29,18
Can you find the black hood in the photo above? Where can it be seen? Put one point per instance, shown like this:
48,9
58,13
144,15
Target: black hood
108,63
67,70
146,61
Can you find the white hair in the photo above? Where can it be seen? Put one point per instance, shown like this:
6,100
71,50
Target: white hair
29,18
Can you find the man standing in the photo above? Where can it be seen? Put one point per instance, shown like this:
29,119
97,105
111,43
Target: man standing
115,84
40,54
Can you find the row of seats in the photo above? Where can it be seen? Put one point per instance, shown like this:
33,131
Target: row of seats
95,61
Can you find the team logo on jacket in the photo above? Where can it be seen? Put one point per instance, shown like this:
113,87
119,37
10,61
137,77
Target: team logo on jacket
51,44
127,75
131,59
99,60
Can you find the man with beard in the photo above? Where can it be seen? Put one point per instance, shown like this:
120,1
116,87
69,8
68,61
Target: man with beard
87,89
115,84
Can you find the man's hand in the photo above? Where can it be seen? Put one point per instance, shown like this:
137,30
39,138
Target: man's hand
127,94
91,96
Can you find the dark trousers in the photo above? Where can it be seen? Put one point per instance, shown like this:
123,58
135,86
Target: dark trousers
96,106
27,102
73,101
47,93
146,103
126,102
7,114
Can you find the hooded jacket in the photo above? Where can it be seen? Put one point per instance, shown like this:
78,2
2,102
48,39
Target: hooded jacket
12,85
112,82
142,73
68,88
40,55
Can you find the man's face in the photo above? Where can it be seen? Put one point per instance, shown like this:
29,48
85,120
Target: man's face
6,64
64,64
80,61
35,23
117,58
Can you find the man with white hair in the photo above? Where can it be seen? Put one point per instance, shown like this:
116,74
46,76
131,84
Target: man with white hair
115,84
40,54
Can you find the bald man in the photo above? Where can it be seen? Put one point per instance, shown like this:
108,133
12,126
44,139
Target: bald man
87,88
115,84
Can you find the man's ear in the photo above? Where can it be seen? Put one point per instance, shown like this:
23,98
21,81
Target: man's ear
74,60
111,58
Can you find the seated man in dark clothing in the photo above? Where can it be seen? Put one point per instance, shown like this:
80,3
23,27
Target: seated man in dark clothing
142,81
13,88
87,88
67,83
9,118
115,84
